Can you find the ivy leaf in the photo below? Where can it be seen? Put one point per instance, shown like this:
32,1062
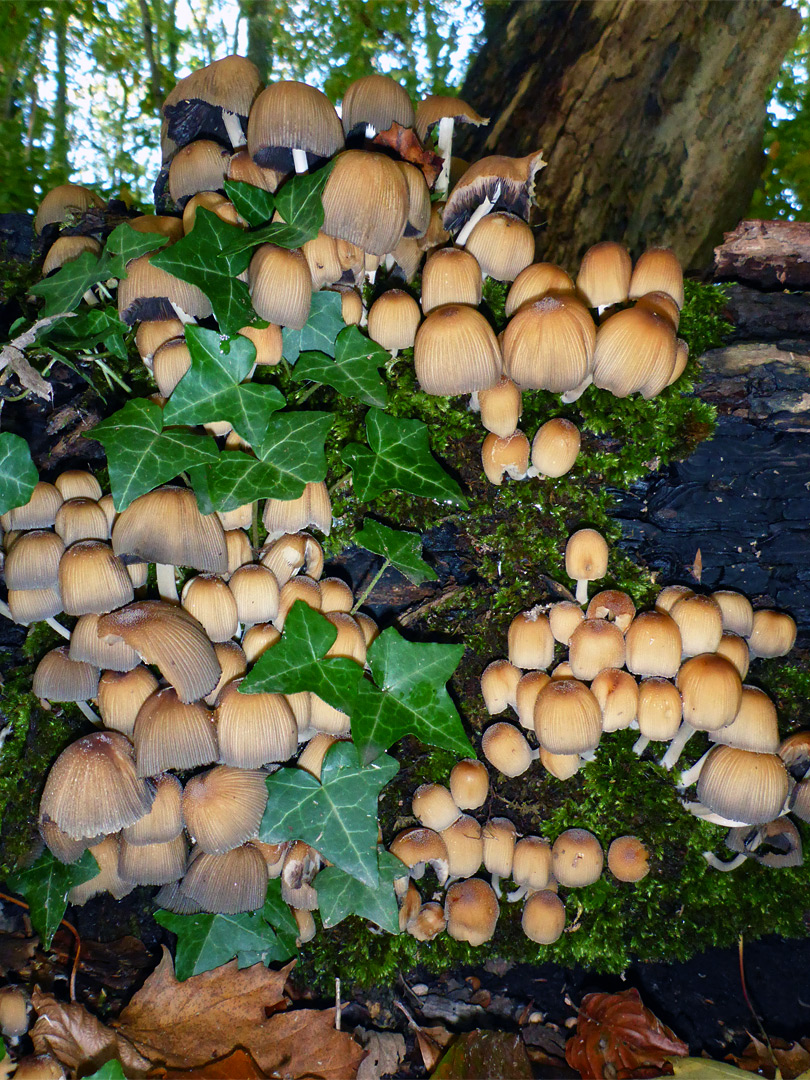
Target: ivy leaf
338,815
402,549
212,388
413,676
340,895
322,327
254,204
353,372
125,243
64,290
399,458
141,454
18,473
45,886
82,331
110,1070
297,662
195,259
300,200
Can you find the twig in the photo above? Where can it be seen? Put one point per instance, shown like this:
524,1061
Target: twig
338,1005
338,484
12,356
753,1011
410,615
70,927
364,595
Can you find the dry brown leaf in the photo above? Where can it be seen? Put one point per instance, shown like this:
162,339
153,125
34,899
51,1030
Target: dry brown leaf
384,1051
697,566
236,1066
183,1024
78,1039
406,143
792,1058
616,1032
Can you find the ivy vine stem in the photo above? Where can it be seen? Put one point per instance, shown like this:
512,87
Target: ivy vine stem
370,587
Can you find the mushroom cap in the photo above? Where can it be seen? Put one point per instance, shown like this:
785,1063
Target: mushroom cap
711,690
595,645
653,645
528,687
465,847
419,847
170,362
469,784
635,352
58,678
577,858
663,304
535,282
736,611
62,202
567,717
223,807
280,285
291,552
199,166
172,734
658,270
543,918
499,837
531,643
291,115
548,344
393,319
531,862
735,649
151,335
507,456
312,508
743,786
628,859
795,752
700,622
187,538
555,447
660,709
604,274
32,562
436,107
428,922
301,864
152,864
586,555
366,201
506,749
670,596
161,224
121,694
254,729
378,100
227,883
503,244
617,693
256,593
615,606
80,519
38,513
86,645
773,633
563,618
561,766
148,293
193,107
164,822
755,727
419,207
512,178
92,579
500,407
456,352
451,276
67,248
208,599
471,909
434,807
105,852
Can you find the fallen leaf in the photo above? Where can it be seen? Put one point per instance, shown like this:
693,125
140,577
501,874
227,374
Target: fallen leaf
697,566
485,1053
78,1039
700,1068
616,1031
406,143
384,1051
238,1065
793,1059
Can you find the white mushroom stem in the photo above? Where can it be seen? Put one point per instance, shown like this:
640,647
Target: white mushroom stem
690,776
57,626
234,129
577,392
719,864
91,714
371,131
685,733
444,146
495,880
705,814
371,276
389,262
517,894
641,744
90,298
300,160
480,212
582,591
167,583
185,319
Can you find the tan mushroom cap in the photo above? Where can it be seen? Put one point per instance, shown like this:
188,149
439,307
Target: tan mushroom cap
736,611
434,807
503,244
535,282
628,859
86,645
653,645
164,822
312,508
436,107
464,845
563,618
223,807
419,207
635,352
67,248
507,456
172,734
743,786
201,165
595,645
231,82
292,115
755,726
548,344
500,407
33,560
366,201
162,224
577,858
420,847
499,837
711,690
531,643
428,922
377,100
586,559
660,709
254,729
604,274
152,864
147,292
471,909
531,863
617,693
567,717
227,883
393,319
735,649
773,633
657,270
301,864
456,352
615,606
92,579
469,784
256,593
700,622
38,513
506,749
555,447
121,694
280,285
209,600
292,552
63,847
80,519
63,202
59,678
170,363
543,918
451,276
188,537
105,852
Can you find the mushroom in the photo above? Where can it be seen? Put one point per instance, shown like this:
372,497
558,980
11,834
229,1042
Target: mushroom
450,276
223,807
201,166
711,690
586,559
498,837
500,407
209,600
507,750
374,104
493,183
471,909
445,112
58,678
505,457
499,685
78,519
434,807
653,645
535,282
254,729
657,269
213,102
741,786
292,552
148,293
700,622
563,618
543,918
548,345
635,352
531,867
256,594
503,245
86,645
393,319
456,352
615,606
595,645
660,711
228,883
152,864
14,1009
465,847
280,285
604,275
106,854
617,694
555,448
121,694
172,734
64,202
311,508
92,579
736,612
366,201
531,643
164,822
576,858
528,687
567,718
628,859
301,864
773,633
293,126
418,848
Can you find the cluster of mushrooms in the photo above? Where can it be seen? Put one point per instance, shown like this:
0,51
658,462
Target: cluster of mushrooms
164,675
669,673
456,847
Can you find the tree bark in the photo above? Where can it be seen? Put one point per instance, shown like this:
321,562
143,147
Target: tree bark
61,159
155,88
258,15
650,114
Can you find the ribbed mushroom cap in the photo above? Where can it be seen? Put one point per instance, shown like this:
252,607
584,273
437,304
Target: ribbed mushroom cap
543,918
681,360
615,606
151,335
323,261
268,342
32,605
561,766
257,640
548,344
499,836
595,645
534,282
244,170
63,202
531,863
187,538
33,560
419,205
208,598
92,787
507,456
152,864
280,285
511,179
528,687
456,352
660,709
297,588
669,597
736,611
711,690
635,351
800,800
743,786
755,727
469,784
223,807
291,115
628,859
420,847
500,407
164,822
795,752
86,645
434,807
351,306
256,593
148,293
735,649
67,248
161,224
78,483
503,245
254,729
653,645
233,661
193,108
62,846
167,636
170,363
577,858
555,447
238,549
92,579
563,618
377,100
465,847
214,201
292,552
451,276
313,753
657,270
199,166
38,513
336,596
366,201
471,909
121,694
312,508
531,643
170,898
58,678
301,864
663,304
604,274
506,749
436,107
700,622
227,883
393,319
498,685
586,555
567,718
350,642
171,734
107,879
773,633
80,519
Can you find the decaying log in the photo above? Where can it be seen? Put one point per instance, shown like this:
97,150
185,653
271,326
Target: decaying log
769,254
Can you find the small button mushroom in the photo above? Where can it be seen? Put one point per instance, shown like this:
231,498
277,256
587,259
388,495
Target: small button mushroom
577,858
531,866
628,859
469,784
471,909
555,448
586,559
499,682
531,642
433,806
506,748
543,918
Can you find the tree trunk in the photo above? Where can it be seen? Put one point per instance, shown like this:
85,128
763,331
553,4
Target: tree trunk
258,15
61,160
650,114
155,89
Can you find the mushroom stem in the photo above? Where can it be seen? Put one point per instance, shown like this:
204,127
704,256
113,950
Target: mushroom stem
684,734
234,129
641,744
91,714
5,611
517,894
371,276
90,298
389,262
495,879
582,591
185,319
166,583
371,131
690,776
577,392
719,864
480,212
705,814
300,161
57,626
444,147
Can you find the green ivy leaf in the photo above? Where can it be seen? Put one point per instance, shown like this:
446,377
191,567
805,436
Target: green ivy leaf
413,677
18,473
213,388
300,200
321,330
110,1070
353,372
340,895
297,662
195,259
125,244
237,253
402,549
64,290
45,886
337,816
141,454
254,204
399,458
92,327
